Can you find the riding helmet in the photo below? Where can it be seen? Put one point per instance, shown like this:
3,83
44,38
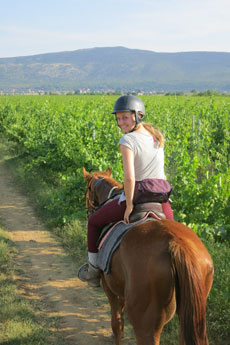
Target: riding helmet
130,103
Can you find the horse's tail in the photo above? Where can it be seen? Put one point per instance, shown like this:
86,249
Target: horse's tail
191,295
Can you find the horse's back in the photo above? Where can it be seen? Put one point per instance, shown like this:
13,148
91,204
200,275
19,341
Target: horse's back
158,238
143,261
146,252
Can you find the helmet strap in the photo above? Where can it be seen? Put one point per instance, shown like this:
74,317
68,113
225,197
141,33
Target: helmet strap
136,122
134,128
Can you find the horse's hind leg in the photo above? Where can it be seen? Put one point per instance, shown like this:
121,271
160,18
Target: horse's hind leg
117,310
151,303
143,338
147,324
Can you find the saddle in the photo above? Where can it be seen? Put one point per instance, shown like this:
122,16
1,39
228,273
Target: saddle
113,233
140,211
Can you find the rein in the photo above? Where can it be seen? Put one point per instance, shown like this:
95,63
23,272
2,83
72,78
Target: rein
90,202
111,191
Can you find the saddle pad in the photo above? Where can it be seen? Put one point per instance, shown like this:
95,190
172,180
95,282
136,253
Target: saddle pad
112,242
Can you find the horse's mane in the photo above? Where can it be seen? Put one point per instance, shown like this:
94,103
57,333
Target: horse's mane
110,180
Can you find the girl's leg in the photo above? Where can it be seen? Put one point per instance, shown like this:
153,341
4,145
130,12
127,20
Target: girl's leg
167,210
109,213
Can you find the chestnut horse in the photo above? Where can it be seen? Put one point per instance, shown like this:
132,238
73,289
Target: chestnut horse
160,268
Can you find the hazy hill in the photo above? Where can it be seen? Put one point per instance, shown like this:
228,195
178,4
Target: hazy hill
117,68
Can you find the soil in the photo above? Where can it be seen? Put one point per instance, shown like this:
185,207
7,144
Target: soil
46,273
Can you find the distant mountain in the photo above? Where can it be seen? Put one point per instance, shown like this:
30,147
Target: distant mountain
117,68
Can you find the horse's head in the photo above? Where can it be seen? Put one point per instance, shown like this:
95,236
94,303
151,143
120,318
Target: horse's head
100,187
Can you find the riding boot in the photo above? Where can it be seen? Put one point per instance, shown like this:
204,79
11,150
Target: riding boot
89,272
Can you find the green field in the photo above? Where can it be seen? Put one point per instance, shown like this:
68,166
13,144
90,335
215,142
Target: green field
58,135
50,138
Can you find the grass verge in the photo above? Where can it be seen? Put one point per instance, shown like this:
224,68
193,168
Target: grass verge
218,305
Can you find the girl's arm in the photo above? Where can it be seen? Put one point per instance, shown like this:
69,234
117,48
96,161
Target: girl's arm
129,179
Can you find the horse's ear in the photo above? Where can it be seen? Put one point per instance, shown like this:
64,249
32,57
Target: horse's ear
86,174
108,171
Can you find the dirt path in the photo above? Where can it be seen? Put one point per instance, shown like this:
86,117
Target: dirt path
50,275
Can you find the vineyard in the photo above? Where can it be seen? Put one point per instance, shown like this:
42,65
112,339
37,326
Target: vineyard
55,136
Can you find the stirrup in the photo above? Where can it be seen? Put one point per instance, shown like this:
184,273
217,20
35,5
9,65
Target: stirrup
87,273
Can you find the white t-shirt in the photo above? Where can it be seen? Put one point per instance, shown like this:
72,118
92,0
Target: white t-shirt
148,158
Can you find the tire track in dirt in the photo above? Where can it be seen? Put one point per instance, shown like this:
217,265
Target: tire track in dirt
49,275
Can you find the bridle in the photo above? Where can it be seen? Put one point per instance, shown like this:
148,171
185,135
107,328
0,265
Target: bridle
91,202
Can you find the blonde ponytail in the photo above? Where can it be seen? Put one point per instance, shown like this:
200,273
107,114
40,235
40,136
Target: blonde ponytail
155,132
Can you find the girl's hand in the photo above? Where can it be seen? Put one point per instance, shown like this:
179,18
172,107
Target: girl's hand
128,211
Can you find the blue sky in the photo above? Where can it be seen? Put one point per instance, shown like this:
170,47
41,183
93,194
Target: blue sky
29,27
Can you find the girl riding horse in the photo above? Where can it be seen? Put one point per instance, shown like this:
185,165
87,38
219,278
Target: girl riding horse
160,268
142,149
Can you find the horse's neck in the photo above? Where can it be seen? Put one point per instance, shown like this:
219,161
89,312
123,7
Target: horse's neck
106,189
